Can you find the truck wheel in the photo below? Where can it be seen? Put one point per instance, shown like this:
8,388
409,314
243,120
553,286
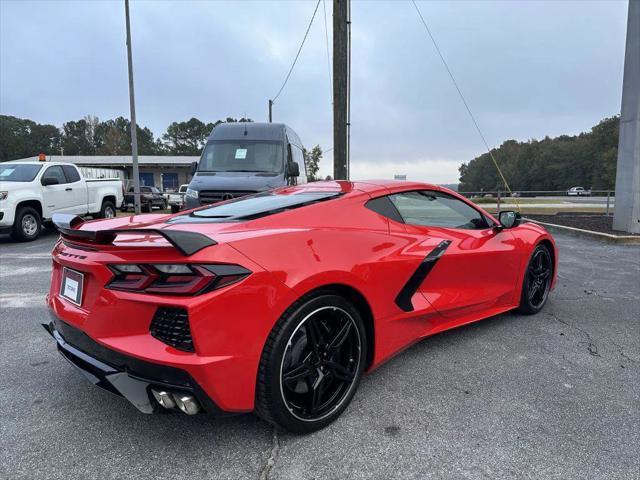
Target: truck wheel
27,225
108,210
124,209
175,209
148,207
164,205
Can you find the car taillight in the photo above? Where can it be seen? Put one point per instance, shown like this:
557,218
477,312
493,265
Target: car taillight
174,279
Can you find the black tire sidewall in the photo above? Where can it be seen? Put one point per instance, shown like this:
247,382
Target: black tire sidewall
272,359
105,205
525,304
18,233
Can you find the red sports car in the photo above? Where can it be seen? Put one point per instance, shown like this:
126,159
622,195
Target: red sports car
278,302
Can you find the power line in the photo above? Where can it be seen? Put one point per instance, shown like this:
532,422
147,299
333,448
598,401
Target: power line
297,54
464,101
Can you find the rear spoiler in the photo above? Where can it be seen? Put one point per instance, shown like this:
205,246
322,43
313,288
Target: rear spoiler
186,243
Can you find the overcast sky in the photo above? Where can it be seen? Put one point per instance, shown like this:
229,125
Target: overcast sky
528,69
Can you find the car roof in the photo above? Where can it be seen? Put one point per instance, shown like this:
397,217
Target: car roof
383,187
18,162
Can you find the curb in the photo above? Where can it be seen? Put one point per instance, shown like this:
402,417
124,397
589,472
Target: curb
578,232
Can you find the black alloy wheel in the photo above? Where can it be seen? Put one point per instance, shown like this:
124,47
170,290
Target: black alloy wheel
312,364
537,281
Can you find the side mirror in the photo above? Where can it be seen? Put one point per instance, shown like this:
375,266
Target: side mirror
193,169
293,169
46,181
509,219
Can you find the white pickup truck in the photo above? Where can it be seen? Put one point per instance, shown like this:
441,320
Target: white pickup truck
31,192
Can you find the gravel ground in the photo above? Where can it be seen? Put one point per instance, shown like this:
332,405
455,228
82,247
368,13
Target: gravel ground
556,395
596,223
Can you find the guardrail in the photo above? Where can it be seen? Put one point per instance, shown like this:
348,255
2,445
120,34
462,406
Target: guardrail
501,196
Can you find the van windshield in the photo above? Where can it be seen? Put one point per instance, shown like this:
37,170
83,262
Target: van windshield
242,156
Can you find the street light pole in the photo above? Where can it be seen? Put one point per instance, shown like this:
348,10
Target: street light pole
132,105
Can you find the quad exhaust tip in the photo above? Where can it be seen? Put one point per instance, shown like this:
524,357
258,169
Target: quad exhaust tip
185,403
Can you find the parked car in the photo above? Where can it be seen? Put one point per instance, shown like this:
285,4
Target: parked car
578,192
31,192
176,200
149,197
244,158
279,302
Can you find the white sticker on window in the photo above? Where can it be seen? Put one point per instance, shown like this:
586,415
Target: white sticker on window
241,153
6,172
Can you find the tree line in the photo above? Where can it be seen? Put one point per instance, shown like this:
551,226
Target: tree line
22,138
587,160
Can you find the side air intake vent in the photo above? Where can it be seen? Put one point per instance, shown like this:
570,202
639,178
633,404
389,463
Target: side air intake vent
171,326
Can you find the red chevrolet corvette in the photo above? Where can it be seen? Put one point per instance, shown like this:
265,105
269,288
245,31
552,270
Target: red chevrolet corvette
279,301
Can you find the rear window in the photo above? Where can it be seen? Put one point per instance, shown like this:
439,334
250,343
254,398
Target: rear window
260,205
71,173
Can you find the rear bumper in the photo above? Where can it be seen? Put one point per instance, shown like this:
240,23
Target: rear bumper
121,374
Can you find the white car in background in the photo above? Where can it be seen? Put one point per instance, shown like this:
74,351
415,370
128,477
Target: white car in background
31,192
578,192
176,200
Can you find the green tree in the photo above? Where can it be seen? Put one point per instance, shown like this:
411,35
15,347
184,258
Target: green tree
187,138
22,138
588,159
312,161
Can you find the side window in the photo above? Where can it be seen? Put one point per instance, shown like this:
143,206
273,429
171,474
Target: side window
436,209
299,159
55,171
71,173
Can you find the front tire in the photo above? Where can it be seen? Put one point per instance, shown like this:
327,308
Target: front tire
311,364
537,281
27,225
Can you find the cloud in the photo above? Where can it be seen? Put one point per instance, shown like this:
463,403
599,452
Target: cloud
528,69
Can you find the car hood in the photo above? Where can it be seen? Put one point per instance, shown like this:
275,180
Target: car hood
231,181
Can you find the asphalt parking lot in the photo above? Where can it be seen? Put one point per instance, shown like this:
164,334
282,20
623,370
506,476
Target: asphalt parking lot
556,395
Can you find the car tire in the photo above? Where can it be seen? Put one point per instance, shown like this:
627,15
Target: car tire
164,205
175,209
27,224
537,281
328,369
148,207
124,209
108,210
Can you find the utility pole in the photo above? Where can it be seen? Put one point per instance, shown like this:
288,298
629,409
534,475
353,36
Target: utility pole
270,111
626,215
132,104
341,49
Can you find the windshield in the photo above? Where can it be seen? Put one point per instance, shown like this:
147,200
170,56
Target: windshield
242,156
261,204
18,173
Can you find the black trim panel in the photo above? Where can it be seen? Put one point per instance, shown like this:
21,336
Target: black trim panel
403,300
102,365
385,207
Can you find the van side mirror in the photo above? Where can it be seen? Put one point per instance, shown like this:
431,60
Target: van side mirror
193,169
293,169
46,181
509,219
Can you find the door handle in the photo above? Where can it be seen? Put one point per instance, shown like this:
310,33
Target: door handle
68,189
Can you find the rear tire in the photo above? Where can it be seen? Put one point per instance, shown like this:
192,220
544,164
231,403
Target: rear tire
108,210
27,225
311,364
175,209
148,207
537,281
